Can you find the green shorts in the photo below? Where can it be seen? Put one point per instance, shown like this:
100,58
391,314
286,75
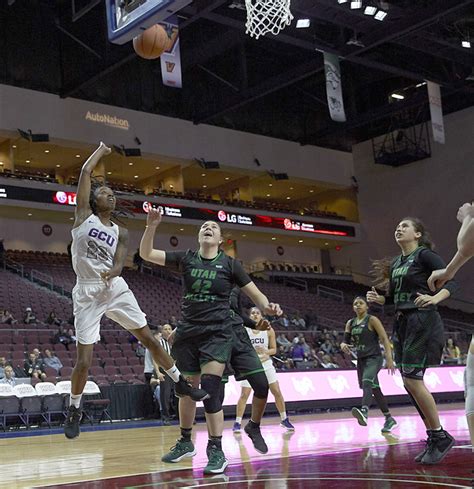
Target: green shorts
244,360
368,369
196,345
418,341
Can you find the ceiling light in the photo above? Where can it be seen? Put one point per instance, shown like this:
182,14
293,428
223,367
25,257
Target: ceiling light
226,178
380,15
302,23
78,156
300,241
244,235
268,195
204,186
109,173
288,198
58,166
29,214
311,191
46,150
130,164
71,218
270,184
14,146
1,163
370,10
171,186
157,167
28,161
327,244
418,85
466,44
291,188
356,4
341,1
203,174
273,239
181,229
398,96
136,176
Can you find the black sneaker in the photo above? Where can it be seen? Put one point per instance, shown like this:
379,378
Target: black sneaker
422,453
256,436
361,415
438,447
184,389
73,420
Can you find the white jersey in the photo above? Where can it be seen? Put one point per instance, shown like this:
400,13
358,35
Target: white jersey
93,248
258,339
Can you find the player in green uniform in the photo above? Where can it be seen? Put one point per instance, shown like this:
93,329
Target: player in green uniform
204,338
363,334
418,332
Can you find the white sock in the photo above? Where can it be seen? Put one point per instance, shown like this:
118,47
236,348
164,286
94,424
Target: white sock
283,415
238,419
75,400
174,373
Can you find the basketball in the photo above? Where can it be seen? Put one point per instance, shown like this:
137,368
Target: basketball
152,43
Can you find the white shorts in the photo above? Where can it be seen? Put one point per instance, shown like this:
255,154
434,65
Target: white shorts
270,372
91,300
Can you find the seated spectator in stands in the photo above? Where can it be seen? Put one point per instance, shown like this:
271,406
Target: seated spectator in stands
282,360
306,347
328,347
311,321
283,341
34,368
297,353
3,364
327,362
30,317
335,337
72,335
298,322
140,351
313,357
6,317
52,361
53,319
283,321
9,376
38,355
451,353
62,337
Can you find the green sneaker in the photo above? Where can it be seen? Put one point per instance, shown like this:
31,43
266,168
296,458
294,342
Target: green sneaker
361,415
217,462
389,424
182,449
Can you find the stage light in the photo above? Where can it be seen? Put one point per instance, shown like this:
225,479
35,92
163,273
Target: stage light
303,23
356,4
466,44
370,10
380,15
398,96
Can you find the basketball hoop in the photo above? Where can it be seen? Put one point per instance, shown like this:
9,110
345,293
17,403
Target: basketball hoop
265,16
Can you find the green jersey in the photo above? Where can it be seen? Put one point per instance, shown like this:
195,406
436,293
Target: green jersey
365,341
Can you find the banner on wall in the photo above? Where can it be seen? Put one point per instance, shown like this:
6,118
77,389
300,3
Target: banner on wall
436,111
332,69
171,58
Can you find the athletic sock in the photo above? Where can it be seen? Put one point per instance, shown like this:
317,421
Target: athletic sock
215,441
174,373
75,400
186,433
238,419
283,415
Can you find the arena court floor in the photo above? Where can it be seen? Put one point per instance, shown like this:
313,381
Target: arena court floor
326,451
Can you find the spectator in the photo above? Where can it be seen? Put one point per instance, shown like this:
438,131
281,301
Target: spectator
297,353
9,376
451,353
306,347
284,321
62,337
3,364
328,363
30,317
6,317
327,347
283,341
2,254
140,351
34,367
298,321
52,361
38,355
53,319
283,362
72,335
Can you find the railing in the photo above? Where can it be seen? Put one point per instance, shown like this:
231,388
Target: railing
15,267
330,293
161,272
296,282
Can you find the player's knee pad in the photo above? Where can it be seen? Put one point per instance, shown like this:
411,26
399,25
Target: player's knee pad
469,384
212,385
259,384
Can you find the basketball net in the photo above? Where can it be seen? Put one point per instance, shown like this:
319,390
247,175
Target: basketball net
265,16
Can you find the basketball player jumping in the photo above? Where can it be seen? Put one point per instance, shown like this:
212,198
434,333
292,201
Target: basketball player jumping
99,249
440,277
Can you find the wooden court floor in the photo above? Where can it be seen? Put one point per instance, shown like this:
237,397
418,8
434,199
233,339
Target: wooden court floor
326,450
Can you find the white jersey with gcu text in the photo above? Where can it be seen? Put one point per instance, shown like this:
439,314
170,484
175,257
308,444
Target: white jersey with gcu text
260,338
93,248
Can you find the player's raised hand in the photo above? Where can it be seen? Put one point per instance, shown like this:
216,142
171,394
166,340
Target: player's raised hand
263,325
464,211
438,278
154,217
346,348
104,149
374,296
273,309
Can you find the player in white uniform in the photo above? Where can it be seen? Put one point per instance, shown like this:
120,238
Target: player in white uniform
99,249
465,252
264,343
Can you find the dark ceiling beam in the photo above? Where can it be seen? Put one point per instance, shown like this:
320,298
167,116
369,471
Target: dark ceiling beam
202,12
282,81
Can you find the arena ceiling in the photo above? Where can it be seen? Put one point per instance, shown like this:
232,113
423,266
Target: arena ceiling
274,86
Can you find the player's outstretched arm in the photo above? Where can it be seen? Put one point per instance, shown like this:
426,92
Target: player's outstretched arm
147,252
261,300
83,209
